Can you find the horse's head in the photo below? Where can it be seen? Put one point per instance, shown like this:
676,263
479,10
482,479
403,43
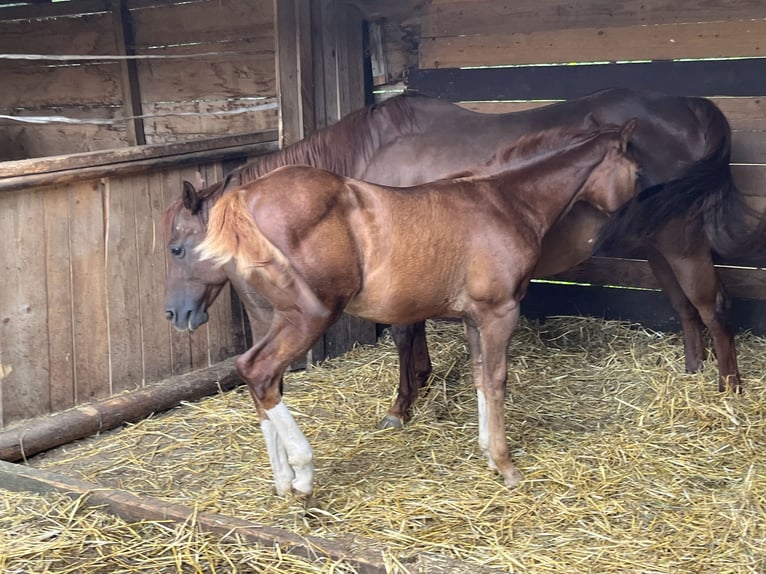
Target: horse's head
614,180
191,285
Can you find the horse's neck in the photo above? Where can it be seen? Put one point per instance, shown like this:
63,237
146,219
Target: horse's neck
546,193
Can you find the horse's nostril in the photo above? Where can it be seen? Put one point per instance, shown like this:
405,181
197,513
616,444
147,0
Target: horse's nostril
169,315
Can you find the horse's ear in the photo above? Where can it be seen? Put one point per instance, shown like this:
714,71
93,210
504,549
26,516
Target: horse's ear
627,132
589,122
191,200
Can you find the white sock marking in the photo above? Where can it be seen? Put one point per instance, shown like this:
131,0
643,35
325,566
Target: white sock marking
299,455
283,472
484,427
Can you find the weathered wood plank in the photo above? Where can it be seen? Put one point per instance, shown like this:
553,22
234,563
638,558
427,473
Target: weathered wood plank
21,141
24,365
226,76
133,508
89,294
196,119
87,34
212,23
122,286
83,160
658,42
37,84
65,176
455,17
155,338
749,283
745,77
58,268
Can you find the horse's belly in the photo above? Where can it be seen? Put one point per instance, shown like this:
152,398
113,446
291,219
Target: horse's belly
402,305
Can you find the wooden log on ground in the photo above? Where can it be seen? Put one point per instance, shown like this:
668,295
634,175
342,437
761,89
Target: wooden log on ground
44,433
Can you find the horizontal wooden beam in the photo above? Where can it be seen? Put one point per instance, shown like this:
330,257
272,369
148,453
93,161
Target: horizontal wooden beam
128,154
746,77
133,508
135,166
44,433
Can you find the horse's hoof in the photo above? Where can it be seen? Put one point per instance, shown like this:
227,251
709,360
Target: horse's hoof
390,422
512,479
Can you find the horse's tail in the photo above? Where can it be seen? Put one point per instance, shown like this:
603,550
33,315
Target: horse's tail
233,233
705,193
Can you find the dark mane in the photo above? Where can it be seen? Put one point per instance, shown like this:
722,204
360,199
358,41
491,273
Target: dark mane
341,147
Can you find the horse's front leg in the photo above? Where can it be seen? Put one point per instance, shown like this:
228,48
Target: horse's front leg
414,370
262,367
494,333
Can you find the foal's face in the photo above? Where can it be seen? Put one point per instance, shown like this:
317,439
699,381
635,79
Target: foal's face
191,285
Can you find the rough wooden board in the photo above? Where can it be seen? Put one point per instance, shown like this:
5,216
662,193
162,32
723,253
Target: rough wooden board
108,170
454,17
104,158
24,367
139,508
88,34
659,42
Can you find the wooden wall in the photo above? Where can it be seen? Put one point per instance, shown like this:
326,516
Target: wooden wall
184,97
82,274
494,56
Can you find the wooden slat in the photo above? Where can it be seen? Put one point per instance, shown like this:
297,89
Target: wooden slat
659,42
746,77
455,17
89,296
37,85
739,281
111,157
226,76
122,286
207,24
58,270
131,91
155,330
86,35
58,177
24,365
53,10
199,124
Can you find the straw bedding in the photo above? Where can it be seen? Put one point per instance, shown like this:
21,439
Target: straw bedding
631,465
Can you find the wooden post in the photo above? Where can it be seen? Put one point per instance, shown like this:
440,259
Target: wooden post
131,92
295,74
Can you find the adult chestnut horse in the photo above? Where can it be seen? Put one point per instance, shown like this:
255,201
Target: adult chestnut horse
315,244
682,144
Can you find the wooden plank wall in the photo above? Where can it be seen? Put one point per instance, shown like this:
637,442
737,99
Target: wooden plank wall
82,274
181,95
496,57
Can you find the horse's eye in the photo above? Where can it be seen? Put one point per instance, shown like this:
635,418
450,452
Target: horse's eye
177,251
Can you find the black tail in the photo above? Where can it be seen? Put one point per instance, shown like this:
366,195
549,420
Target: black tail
704,195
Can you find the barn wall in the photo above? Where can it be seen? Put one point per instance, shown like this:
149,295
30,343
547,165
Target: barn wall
82,277
496,57
227,67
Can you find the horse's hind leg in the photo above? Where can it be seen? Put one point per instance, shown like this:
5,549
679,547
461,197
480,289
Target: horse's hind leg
688,255
691,324
414,370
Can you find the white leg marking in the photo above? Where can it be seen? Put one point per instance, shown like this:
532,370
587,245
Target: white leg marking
484,428
299,455
283,472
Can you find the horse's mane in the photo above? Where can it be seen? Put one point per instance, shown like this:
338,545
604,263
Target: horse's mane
339,147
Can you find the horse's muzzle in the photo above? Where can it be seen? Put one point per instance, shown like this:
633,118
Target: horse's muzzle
190,319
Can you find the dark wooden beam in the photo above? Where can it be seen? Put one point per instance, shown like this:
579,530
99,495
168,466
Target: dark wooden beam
131,91
746,77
